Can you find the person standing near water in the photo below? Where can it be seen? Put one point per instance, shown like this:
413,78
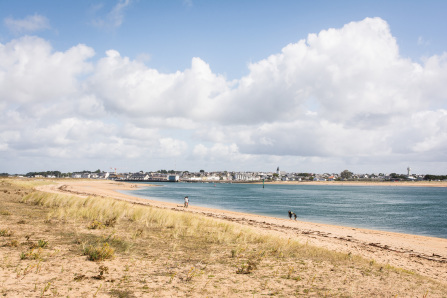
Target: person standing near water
186,202
290,214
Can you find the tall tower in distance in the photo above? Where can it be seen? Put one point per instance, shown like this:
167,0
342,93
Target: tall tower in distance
277,170
408,171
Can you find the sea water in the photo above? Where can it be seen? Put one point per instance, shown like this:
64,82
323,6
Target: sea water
411,210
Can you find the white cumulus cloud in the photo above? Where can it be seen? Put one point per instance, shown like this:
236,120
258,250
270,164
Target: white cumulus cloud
343,96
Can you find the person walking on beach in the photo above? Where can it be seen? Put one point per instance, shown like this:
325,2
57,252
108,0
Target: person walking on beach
290,214
294,215
186,202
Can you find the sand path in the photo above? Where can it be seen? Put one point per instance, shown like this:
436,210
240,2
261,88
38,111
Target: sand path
424,255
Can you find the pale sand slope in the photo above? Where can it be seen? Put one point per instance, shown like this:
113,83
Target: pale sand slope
424,255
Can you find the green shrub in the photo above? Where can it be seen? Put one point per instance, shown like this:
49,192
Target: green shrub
42,243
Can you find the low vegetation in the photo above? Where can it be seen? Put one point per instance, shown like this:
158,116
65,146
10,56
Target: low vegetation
99,253
73,246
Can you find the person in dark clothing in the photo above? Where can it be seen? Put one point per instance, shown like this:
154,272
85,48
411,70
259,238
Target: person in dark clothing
294,215
290,214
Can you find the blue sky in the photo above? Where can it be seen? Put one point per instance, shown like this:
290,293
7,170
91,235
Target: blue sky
226,34
223,85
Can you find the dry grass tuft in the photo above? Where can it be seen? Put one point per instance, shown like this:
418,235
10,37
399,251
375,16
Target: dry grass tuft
32,254
99,253
6,233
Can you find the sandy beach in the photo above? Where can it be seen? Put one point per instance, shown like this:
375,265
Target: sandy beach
426,256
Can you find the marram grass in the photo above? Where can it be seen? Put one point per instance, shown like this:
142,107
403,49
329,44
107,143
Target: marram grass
28,183
178,224
105,209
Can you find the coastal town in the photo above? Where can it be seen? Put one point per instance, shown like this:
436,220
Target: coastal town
233,177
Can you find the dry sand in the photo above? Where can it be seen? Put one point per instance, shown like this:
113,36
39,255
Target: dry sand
424,255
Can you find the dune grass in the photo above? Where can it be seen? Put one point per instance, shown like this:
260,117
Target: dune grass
177,224
168,252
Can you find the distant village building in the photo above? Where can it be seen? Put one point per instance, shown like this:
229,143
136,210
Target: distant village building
225,177
173,178
245,177
103,175
76,175
139,177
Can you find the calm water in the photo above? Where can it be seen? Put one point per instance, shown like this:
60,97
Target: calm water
411,210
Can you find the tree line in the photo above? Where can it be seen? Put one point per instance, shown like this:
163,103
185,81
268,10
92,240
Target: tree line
435,177
46,173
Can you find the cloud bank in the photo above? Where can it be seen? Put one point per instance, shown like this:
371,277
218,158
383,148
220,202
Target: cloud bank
340,98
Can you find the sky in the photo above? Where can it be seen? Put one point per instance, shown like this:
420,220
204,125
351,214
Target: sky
306,86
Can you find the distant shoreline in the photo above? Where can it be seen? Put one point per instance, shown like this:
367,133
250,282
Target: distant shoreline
361,183
338,183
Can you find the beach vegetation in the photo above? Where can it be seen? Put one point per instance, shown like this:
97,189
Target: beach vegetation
247,267
12,243
45,288
99,252
6,233
103,270
42,243
39,244
191,273
32,254
95,225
